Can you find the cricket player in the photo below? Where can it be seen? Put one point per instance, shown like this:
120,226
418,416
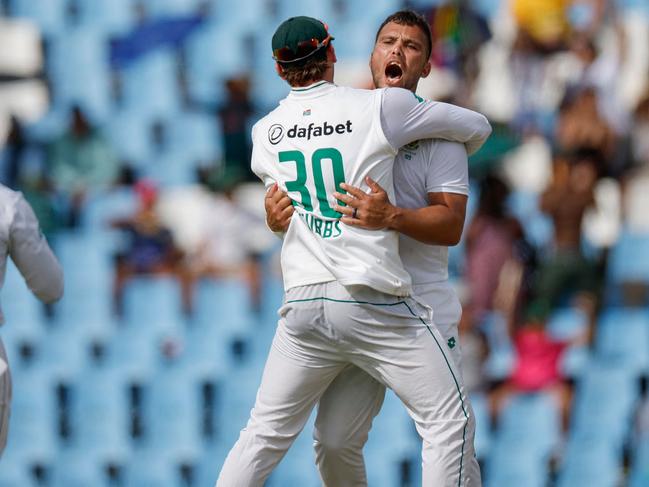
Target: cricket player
348,297
431,190
22,240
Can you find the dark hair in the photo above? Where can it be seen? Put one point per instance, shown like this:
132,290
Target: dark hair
493,196
311,69
409,17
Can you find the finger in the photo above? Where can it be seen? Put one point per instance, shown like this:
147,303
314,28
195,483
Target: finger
284,202
353,190
345,210
348,220
374,186
272,190
345,198
287,212
278,195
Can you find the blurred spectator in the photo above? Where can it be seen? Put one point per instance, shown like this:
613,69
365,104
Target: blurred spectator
543,26
150,249
566,269
235,121
492,261
640,135
537,368
14,150
582,127
235,118
458,33
227,249
81,161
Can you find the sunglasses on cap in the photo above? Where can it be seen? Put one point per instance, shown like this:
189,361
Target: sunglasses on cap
304,49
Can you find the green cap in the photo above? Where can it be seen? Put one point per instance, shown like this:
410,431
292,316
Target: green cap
295,30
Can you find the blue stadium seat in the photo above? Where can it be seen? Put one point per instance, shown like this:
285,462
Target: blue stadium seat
100,414
224,303
172,413
515,465
531,420
171,7
171,168
114,18
598,411
483,439
14,473
63,352
89,83
639,476
102,208
501,357
150,85
629,259
151,470
49,16
135,351
74,469
153,302
205,75
567,323
33,422
128,130
196,133
208,349
590,463
623,334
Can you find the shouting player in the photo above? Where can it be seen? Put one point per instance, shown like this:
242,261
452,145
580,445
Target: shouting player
431,188
348,297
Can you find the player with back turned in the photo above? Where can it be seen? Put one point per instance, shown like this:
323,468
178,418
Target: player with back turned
348,297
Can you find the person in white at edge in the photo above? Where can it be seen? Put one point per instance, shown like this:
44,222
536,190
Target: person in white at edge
348,298
431,189
22,240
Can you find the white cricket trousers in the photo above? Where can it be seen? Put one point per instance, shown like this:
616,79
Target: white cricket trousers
5,397
322,329
354,398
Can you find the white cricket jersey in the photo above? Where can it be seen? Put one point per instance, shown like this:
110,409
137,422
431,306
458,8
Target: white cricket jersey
323,135
427,166
22,240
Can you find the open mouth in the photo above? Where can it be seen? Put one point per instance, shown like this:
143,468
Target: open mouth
393,72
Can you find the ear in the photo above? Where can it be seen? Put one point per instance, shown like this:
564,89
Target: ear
279,70
331,53
427,68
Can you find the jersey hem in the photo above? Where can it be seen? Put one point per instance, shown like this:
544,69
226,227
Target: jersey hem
377,287
308,282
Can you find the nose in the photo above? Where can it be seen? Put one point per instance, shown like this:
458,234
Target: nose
397,48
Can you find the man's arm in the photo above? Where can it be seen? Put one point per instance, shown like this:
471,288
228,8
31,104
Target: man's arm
32,255
440,223
406,118
446,180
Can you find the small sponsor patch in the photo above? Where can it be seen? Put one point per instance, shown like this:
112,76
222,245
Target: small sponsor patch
451,342
306,112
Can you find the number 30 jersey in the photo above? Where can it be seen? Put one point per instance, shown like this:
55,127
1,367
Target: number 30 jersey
323,135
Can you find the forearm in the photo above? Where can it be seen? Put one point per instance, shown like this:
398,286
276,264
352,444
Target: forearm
433,225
